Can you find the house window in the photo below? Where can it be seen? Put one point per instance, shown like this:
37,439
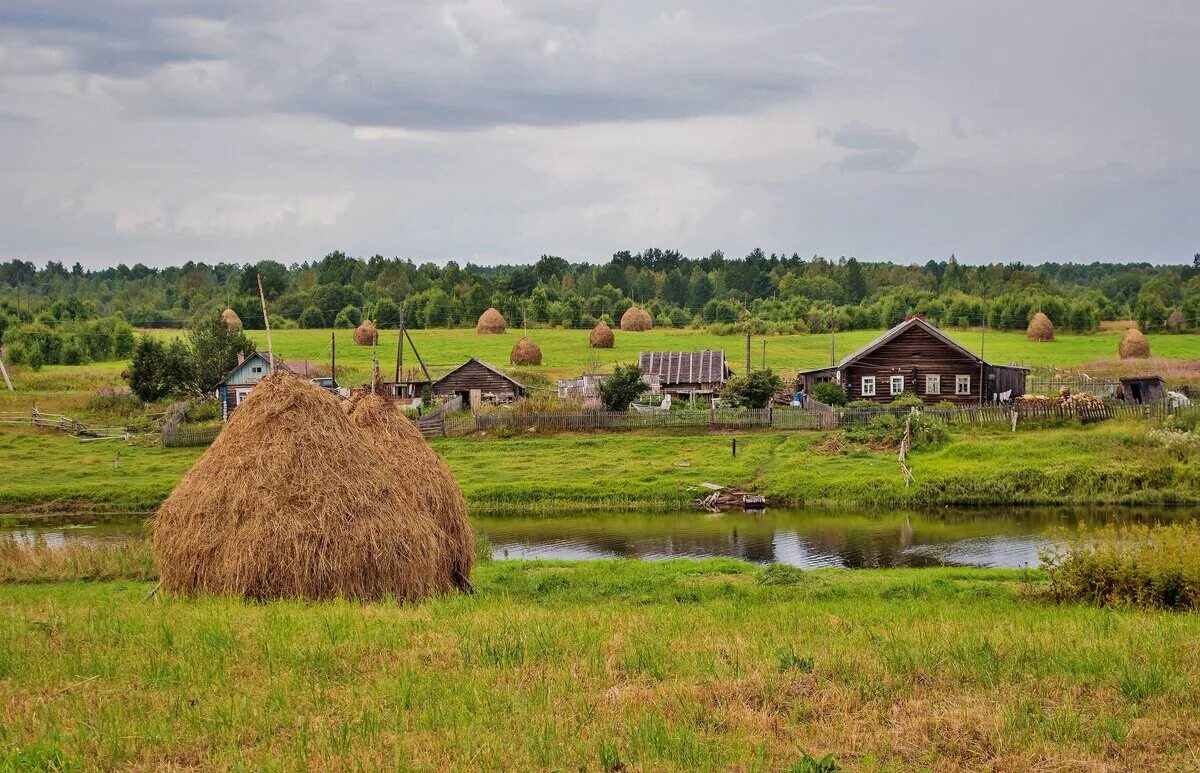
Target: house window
933,385
962,385
868,386
256,369
897,384
240,395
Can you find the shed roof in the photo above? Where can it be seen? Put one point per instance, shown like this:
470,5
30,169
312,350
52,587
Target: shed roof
704,366
478,361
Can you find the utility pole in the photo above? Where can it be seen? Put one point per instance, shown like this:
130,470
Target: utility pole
400,349
266,321
982,341
832,337
747,354
764,354
333,356
4,372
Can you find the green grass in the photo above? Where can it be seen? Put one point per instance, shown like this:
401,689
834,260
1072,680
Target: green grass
1098,464
675,665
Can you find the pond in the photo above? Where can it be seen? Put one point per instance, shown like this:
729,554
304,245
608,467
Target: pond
809,538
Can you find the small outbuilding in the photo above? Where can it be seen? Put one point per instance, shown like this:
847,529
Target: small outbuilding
1142,389
685,374
474,375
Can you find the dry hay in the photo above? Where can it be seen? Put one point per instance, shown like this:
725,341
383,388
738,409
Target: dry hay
125,374
636,320
409,455
1175,321
231,319
526,352
366,333
491,322
293,501
1133,345
601,336
1040,328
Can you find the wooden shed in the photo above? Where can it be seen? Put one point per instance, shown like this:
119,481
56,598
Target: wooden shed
685,374
1142,389
474,375
916,357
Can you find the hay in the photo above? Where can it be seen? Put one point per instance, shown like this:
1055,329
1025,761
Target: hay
1175,321
491,322
293,501
1040,328
409,455
231,319
601,336
366,333
526,352
636,320
1133,345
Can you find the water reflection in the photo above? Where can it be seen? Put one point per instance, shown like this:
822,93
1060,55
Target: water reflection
806,538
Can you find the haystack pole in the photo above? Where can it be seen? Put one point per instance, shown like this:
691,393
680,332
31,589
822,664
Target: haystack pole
4,372
266,321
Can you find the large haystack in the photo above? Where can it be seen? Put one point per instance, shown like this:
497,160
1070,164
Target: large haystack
491,322
366,333
635,319
1040,328
293,501
1175,321
231,319
1133,345
409,456
601,336
526,352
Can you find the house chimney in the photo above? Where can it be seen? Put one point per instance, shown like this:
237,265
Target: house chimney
241,358
921,316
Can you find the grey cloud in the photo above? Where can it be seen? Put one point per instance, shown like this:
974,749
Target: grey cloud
881,150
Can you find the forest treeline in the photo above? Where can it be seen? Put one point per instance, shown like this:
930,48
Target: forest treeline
60,314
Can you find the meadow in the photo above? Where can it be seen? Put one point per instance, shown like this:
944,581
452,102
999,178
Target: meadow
676,665
1112,462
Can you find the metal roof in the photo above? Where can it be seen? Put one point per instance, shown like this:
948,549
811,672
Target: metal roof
701,367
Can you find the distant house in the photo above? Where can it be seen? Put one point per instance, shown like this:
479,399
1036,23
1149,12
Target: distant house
475,381
685,374
236,385
916,357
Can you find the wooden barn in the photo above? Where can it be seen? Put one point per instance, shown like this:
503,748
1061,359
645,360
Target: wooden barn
916,357
1143,389
236,385
685,374
476,376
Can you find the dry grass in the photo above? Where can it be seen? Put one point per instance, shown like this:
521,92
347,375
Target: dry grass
231,319
1133,345
1040,328
293,501
1116,325
38,561
636,320
491,322
601,336
526,352
409,456
366,333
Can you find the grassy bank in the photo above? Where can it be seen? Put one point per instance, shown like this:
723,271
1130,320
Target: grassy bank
1108,463
661,665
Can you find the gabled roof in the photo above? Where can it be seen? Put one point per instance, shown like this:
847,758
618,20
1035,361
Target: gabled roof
705,366
907,324
267,358
499,373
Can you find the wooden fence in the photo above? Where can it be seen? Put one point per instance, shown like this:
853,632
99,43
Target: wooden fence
1003,414
1100,387
179,436
776,418
433,424
84,432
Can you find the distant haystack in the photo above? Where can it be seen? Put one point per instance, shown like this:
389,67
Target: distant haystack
1040,328
491,322
636,320
405,449
231,319
601,336
526,352
293,501
1175,321
366,333
1133,345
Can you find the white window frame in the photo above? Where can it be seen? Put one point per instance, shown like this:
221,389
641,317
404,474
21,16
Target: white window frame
868,386
892,383
239,395
962,385
256,369
934,380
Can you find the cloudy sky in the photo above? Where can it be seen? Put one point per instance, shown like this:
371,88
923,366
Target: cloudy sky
498,130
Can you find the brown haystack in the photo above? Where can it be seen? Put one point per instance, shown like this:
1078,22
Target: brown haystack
491,321
407,453
293,501
1175,321
635,319
1133,345
601,336
366,333
526,352
231,319
1040,328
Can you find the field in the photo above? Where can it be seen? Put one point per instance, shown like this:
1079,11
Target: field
602,666
1105,463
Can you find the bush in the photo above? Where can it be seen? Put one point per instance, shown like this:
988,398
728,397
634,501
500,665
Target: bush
622,387
754,390
908,400
1147,566
861,402
312,318
114,402
829,393
351,316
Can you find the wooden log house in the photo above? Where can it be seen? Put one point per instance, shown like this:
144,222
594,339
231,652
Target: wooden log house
486,382
916,357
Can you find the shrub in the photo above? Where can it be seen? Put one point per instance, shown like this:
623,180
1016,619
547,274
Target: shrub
861,402
351,316
945,405
622,387
908,400
120,403
312,318
829,393
754,390
1146,566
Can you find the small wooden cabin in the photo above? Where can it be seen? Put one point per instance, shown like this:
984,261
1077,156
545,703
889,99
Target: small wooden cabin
236,385
916,357
1142,389
474,375
685,374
